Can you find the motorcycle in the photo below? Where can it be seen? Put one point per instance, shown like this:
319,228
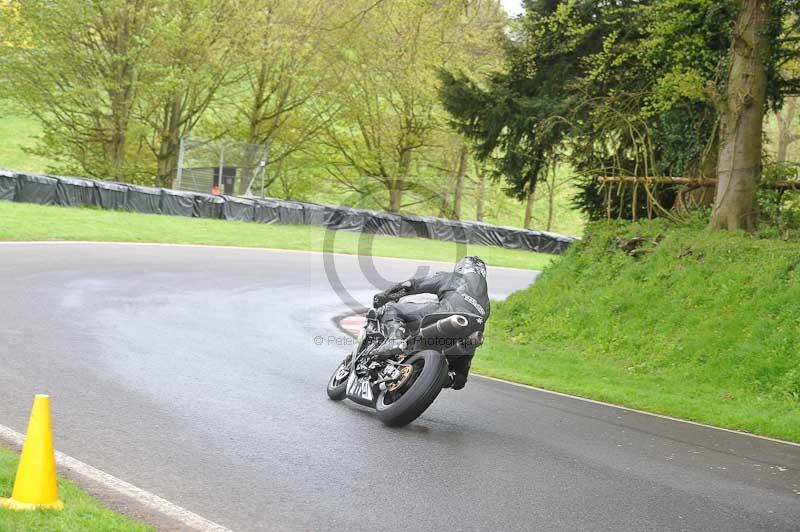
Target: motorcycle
401,387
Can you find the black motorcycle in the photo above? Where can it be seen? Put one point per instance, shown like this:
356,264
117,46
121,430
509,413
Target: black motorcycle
400,387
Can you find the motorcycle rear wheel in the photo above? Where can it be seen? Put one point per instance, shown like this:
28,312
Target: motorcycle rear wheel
400,408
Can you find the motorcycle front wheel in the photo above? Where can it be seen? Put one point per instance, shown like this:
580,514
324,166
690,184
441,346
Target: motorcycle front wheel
402,406
337,384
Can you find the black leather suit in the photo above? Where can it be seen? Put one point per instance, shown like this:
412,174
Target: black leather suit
463,290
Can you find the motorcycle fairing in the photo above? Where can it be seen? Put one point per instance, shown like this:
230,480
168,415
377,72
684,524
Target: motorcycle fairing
360,390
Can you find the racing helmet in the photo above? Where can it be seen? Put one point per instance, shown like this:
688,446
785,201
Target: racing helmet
471,264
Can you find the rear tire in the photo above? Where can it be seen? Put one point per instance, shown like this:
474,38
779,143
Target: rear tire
423,391
337,387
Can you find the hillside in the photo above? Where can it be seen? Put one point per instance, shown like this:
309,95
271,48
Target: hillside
697,324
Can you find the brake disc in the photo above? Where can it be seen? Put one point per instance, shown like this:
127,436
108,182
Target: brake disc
405,374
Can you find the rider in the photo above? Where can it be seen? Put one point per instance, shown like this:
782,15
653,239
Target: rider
463,290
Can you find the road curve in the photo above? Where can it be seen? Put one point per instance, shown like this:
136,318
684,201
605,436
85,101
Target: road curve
198,373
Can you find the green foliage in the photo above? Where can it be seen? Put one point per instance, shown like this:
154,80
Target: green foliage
344,92
626,88
115,83
780,209
18,133
518,118
698,324
386,133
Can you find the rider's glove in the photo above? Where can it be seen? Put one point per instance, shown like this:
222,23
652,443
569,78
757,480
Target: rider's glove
399,290
380,300
391,294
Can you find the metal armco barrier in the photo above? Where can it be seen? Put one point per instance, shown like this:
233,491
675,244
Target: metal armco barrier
80,192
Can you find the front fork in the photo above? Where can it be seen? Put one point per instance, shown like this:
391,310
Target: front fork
357,348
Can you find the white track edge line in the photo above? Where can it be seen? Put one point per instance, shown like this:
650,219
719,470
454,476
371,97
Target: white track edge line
634,410
250,248
150,500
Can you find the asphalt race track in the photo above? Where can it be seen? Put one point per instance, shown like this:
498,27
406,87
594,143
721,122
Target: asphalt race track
198,374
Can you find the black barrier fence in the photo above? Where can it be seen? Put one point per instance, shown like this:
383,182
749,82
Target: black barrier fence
143,199
75,192
207,206
8,185
36,189
78,192
240,209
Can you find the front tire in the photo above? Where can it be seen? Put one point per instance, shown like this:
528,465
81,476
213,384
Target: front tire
337,384
430,375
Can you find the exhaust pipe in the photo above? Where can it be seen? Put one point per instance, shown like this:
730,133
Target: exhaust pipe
450,326
465,347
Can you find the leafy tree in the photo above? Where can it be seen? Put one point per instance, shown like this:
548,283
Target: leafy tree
348,89
578,75
285,72
110,80
78,66
637,88
520,116
197,53
388,113
763,38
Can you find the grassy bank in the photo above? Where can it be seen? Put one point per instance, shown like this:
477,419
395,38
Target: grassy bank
702,325
81,512
20,221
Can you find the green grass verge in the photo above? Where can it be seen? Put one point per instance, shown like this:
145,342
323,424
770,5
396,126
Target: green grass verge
703,326
20,221
81,512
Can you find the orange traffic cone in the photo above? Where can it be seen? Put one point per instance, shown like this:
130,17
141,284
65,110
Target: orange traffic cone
35,485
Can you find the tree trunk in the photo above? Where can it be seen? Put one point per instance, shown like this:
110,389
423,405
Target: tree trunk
397,185
170,144
120,111
254,136
786,134
444,204
395,199
529,203
479,203
462,171
551,197
118,141
741,121
122,91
